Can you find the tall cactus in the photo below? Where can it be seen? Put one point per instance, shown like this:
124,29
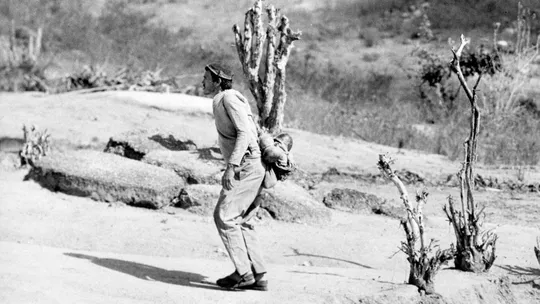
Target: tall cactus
268,91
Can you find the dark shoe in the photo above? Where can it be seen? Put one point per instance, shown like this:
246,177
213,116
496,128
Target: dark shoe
234,280
260,283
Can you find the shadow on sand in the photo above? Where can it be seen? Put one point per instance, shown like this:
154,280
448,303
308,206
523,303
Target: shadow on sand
150,273
172,143
520,270
523,271
298,253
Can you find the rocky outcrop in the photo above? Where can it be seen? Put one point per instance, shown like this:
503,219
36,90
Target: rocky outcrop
290,202
11,144
190,165
198,199
354,201
286,202
107,177
136,144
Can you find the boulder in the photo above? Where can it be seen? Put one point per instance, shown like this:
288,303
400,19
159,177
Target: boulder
189,165
198,199
11,144
354,201
107,177
290,202
136,144
286,202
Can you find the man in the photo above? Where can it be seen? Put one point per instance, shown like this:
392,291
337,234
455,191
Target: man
241,181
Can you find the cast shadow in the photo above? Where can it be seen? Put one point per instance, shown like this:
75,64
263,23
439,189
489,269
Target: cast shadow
518,270
339,275
298,253
523,271
150,273
211,153
172,143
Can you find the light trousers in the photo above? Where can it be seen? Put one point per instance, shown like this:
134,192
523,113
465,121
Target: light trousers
234,210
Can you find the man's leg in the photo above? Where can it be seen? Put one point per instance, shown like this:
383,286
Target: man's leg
251,238
253,251
226,216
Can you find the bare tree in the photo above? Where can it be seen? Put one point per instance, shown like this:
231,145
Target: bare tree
475,249
269,90
423,264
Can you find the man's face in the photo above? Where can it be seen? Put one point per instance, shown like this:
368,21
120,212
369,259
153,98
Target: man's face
209,87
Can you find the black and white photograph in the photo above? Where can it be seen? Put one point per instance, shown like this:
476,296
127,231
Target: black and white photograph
270,151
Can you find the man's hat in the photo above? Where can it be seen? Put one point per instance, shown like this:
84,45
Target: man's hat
220,71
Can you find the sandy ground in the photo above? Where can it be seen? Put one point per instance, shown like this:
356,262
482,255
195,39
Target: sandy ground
56,248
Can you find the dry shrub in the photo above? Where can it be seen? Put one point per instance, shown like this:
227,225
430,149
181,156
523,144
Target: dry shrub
511,120
512,139
476,14
118,34
36,144
371,57
343,84
371,36
425,259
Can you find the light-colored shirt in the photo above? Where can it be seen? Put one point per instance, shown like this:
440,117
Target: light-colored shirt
237,133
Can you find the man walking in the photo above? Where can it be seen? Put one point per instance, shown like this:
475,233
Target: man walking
241,181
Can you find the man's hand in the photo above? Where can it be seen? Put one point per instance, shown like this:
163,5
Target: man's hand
228,177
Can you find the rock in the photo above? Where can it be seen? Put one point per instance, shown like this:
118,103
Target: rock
305,179
107,177
451,180
187,164
333,175
199,199
409,177
11,144
136,144
354,201
286,202
290,202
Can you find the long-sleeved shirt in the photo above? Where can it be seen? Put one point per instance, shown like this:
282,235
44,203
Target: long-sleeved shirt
237,133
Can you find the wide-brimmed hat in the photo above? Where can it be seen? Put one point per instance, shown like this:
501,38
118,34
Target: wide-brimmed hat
220,71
